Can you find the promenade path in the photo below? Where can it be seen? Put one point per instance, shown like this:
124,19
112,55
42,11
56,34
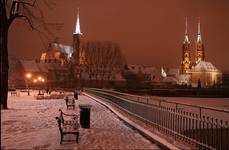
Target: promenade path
30,123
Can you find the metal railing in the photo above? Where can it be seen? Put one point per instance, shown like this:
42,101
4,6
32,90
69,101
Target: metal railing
203,127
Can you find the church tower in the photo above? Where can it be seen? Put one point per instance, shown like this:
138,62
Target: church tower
199,52
77,41
186,63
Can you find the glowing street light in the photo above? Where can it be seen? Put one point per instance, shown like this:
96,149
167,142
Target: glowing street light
35,80
28,76
39,78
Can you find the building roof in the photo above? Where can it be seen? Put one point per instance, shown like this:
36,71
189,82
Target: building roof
40,67
62,48
204,66
29,65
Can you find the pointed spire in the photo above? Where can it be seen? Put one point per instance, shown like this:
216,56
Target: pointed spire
186,40
199,39
77,30
186,25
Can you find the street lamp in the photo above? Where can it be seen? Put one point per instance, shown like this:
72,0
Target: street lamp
28,76
39,78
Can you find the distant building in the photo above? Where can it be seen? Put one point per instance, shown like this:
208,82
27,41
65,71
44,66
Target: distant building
79,53
57,53
199,53
186,57
63,66
205,73
199,71
54,74
152,73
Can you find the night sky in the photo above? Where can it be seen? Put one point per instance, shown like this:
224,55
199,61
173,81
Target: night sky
149,32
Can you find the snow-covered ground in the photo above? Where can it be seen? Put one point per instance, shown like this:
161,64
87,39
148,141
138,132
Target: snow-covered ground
214,103
222,103
31,123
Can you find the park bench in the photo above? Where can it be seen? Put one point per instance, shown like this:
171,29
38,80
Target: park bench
70,102
40,96
13,93
68,124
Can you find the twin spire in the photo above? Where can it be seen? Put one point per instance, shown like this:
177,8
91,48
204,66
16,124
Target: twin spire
77,30
199,40
186,40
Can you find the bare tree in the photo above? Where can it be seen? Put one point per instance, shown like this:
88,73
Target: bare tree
103,59
10,10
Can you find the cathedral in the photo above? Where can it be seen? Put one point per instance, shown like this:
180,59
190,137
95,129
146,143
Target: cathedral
201,71
79,54
57,52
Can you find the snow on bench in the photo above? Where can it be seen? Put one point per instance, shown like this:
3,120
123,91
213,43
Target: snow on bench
70,102
68,124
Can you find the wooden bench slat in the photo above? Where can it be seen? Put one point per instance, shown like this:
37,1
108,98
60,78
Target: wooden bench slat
68,126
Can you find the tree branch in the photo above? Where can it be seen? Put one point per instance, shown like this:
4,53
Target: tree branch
29,4
28,20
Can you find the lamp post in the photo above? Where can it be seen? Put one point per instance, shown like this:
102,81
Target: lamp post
39,79
28,76
43,81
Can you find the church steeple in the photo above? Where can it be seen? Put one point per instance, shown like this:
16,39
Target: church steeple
79,54
199,39
77,30
186,40
199,54
186,63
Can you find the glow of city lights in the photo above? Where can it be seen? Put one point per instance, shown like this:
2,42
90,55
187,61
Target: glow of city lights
39,78
35,80
43,80
28,75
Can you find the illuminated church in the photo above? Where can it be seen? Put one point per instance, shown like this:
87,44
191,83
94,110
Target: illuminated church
79,53
200,71
57,52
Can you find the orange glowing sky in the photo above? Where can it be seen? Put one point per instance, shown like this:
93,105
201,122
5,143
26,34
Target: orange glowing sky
150,32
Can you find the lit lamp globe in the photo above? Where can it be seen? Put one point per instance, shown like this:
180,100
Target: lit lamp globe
28,76
39,78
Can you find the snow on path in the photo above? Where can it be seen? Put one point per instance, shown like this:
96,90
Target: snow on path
31,123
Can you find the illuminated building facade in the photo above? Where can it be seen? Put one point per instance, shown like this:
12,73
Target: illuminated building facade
199,71
206,74
199,53
79,54
186,63
56,53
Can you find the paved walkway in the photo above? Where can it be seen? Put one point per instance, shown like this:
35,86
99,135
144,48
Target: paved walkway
107,131
29,117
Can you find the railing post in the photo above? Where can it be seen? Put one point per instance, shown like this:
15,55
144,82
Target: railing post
221,135
200,112
182,125
227,134
208,133
203,131
178,123
213,133
217,134
193,126
170,118
187,125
